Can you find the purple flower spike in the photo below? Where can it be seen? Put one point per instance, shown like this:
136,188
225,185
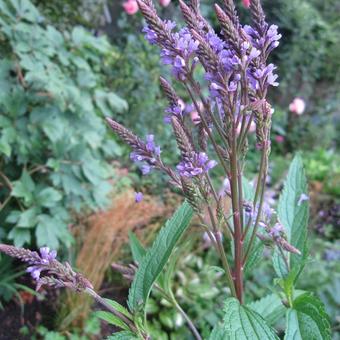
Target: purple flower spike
195,165
146,156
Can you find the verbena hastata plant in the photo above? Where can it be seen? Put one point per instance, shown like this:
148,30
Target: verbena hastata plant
238,77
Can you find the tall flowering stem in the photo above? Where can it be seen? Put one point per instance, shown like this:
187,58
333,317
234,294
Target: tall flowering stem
227,103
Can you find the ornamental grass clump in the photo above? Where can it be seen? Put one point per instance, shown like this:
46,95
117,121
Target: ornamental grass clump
232,97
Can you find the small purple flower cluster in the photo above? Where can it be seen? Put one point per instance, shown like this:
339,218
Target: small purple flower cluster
176,109
46,257
195,164
146,158
177,51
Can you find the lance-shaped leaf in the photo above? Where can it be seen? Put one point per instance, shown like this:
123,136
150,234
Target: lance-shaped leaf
111,319
293,213
136,247
242,323
307,320
125,335
157,256
255,254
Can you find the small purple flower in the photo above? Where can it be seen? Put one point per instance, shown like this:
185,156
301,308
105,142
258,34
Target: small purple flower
150,35
138,197
276,230
302,199
195,165
146,157
46,257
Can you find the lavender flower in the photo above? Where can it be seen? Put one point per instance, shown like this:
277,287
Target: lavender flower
138,197
195,164
47,257
146,158
55,273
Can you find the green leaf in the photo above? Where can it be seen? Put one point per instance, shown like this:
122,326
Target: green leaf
294,214
24,187
111,319
270,308
119,307
157,256
307,320
136,247
50,231
126,335
109,102
255,254
48,197
28,218
242,323
20,236
5,148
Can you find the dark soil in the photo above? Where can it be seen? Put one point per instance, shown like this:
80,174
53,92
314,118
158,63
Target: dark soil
30,312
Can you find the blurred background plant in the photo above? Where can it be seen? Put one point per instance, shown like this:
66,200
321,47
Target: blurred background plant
66,64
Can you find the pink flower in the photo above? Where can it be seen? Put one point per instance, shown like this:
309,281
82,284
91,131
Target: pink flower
279,139
195,117
297,106
130,7
246,3
252,127
164,3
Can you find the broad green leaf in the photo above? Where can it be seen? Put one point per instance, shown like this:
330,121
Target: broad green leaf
157,256
50,231
48,197
109,102
119,307
111,319
28,218
24,187
5,148
270,308
307,320
20,236
242,323
293,212
136,247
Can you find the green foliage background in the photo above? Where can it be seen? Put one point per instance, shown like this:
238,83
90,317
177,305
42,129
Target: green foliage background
54,145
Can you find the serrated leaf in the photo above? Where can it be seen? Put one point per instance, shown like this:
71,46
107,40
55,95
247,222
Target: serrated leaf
157,256
307,320
28,218
24,187
20,236
136,247
270,308
293,213
242,323
48,197
111,319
